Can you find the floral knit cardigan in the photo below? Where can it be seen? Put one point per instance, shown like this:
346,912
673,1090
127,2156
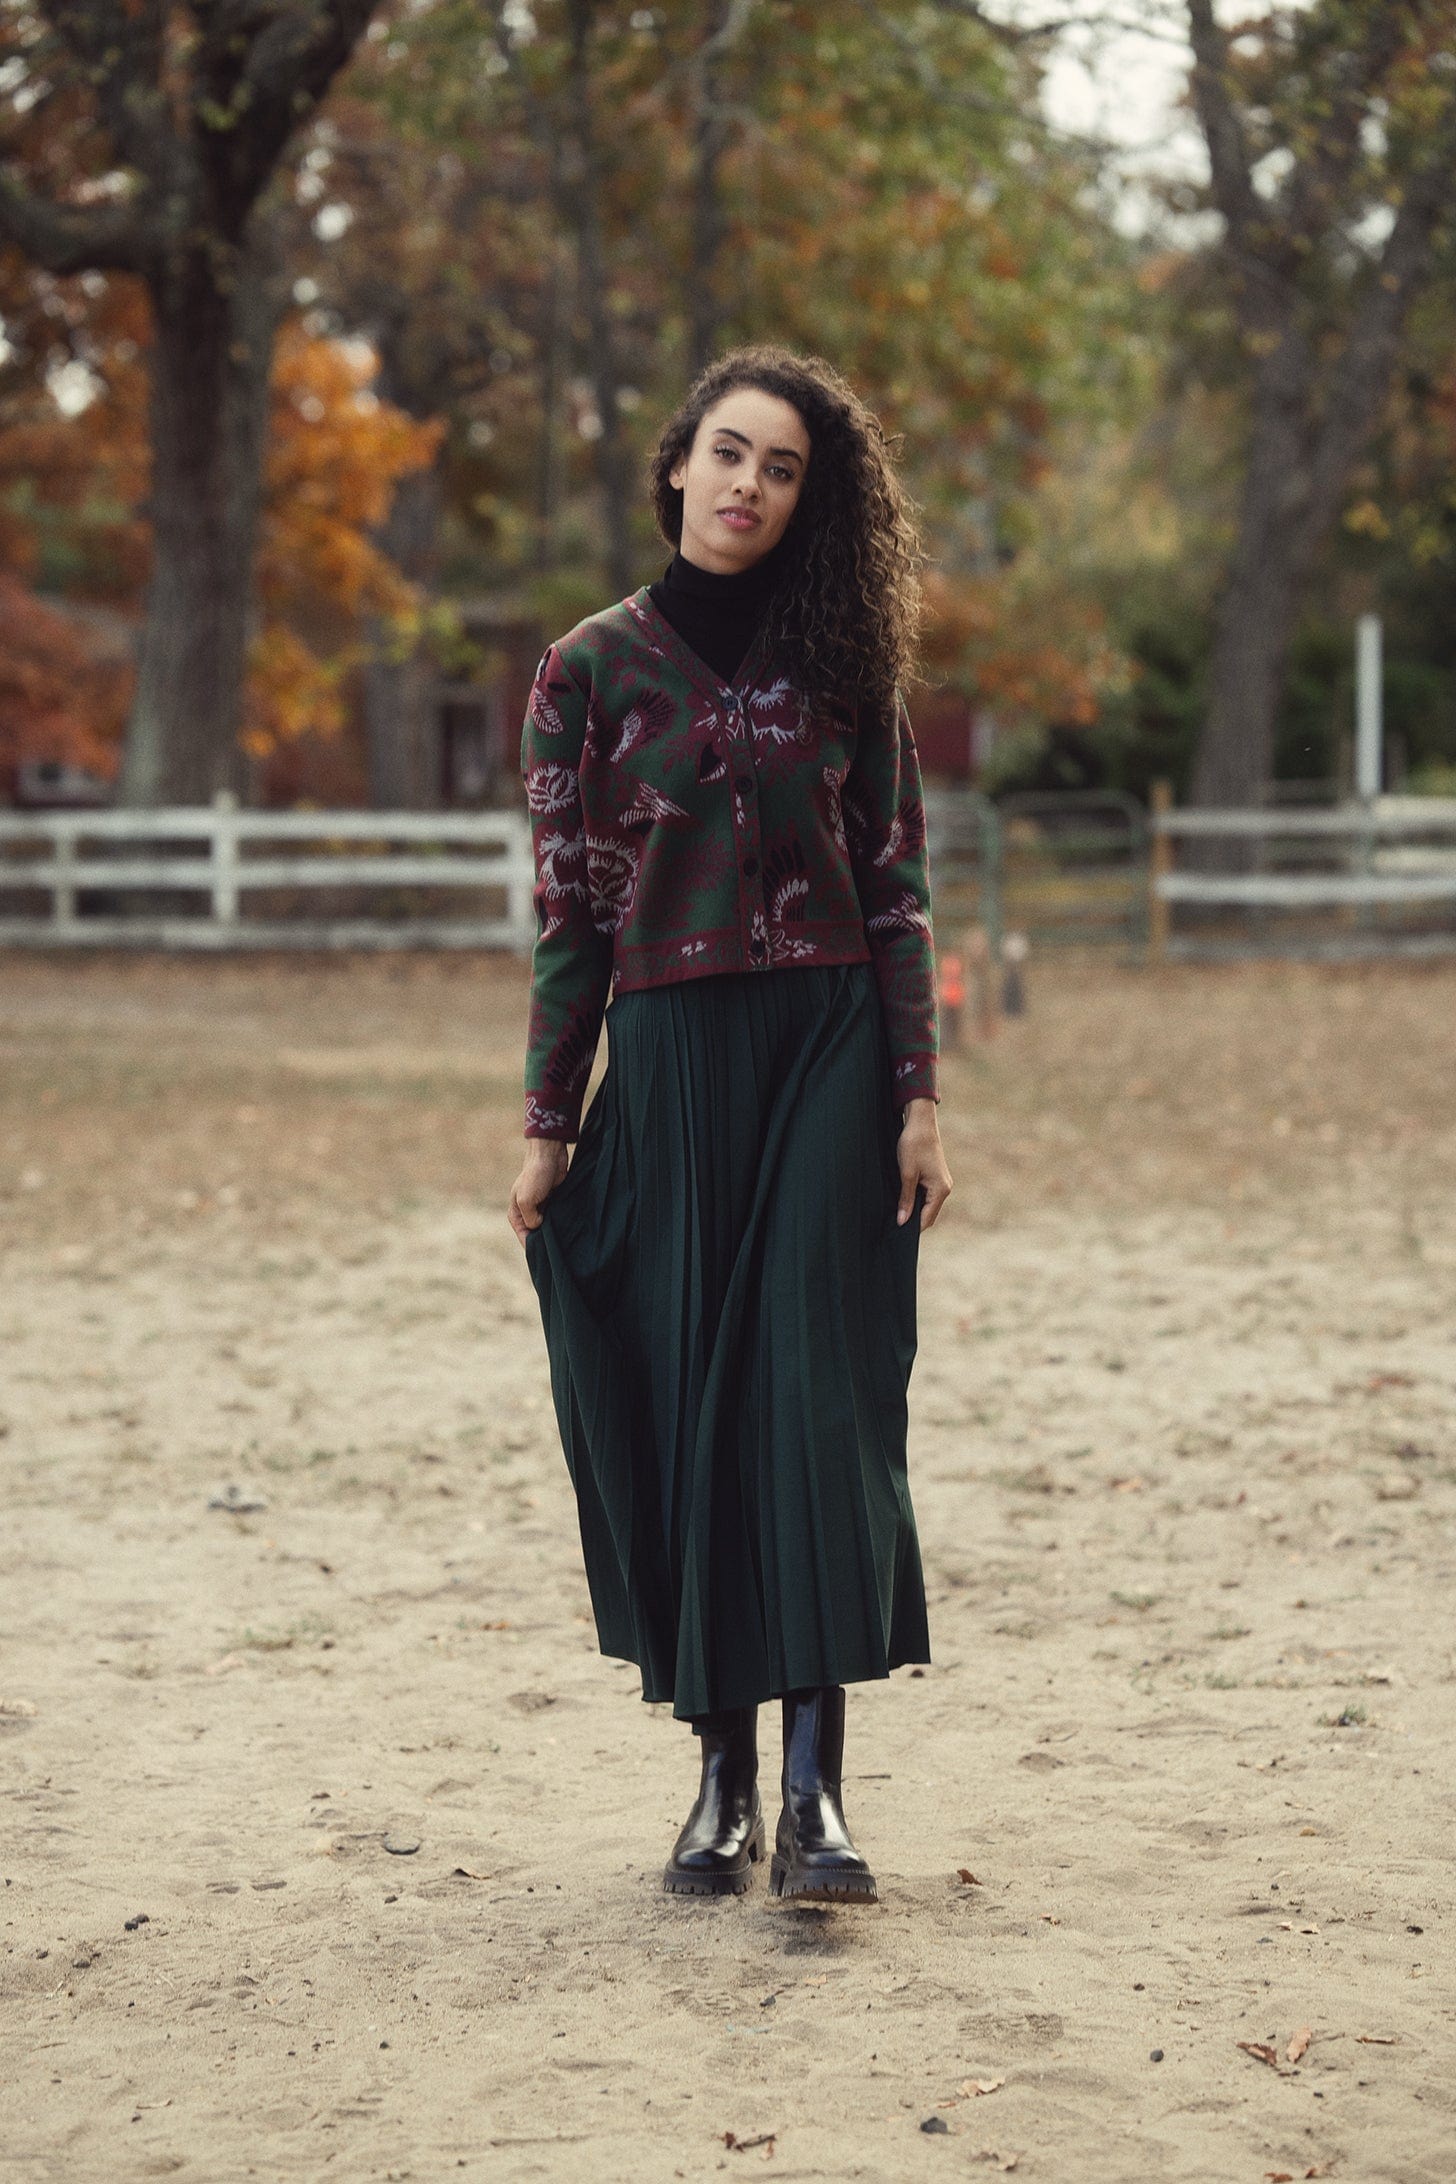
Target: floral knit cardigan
684,826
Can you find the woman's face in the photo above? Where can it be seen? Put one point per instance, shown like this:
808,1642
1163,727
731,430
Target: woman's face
741,479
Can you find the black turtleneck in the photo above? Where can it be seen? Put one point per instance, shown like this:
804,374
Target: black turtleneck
718,616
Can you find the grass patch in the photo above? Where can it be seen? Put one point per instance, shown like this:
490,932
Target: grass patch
1349,1717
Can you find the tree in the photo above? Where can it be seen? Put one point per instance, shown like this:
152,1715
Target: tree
144,138
336,454
1331,136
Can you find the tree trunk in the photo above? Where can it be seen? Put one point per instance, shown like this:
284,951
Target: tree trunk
582,182
212,353
400,728
709,138
1271,561
552,364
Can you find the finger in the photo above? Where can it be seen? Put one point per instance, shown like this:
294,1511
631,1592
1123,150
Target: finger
936,1194
909,1181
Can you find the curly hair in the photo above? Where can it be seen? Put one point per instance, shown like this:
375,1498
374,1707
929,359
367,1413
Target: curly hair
844,616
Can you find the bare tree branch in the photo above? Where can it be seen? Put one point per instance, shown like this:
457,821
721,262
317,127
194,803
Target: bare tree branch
261,73
71,239
1360,378
1230,162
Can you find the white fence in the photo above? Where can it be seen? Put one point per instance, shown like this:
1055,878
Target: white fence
212,860
1392,855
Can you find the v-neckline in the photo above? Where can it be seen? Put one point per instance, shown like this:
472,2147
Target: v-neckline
692,663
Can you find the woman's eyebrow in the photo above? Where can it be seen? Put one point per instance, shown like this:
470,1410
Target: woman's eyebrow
730,433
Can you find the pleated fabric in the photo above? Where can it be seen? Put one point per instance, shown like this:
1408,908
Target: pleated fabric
729,1309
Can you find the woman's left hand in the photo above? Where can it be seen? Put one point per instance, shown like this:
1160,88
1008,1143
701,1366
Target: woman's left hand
922,1160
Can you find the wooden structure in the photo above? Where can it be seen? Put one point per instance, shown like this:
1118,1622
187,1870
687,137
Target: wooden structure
216,877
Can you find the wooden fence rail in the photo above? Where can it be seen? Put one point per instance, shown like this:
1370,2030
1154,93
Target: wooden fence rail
219,857
1395,853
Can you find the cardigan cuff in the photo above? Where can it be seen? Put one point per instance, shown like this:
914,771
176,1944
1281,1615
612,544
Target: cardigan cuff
544,1120
915,1077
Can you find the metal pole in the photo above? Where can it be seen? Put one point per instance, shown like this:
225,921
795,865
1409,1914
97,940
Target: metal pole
1368,722
1160,863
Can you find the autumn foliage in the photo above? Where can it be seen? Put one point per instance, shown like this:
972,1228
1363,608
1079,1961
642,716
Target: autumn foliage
72,524
58,700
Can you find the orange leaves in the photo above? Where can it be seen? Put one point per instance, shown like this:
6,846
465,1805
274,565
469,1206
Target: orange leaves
77,479
335,456
58,700
984,632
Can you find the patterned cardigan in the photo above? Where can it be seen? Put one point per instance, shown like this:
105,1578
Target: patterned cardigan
684,826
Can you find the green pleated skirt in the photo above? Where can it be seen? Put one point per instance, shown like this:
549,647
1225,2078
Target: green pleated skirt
729,1308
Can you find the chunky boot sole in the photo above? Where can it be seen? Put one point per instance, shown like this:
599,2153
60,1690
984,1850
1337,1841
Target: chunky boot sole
808,1884
734,1881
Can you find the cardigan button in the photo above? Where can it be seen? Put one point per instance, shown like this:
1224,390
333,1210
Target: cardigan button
744,784
755,949
750,866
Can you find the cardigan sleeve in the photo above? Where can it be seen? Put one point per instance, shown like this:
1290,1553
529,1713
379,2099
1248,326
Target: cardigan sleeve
571,961
884,817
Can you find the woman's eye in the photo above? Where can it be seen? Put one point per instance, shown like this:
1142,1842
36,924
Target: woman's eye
727,451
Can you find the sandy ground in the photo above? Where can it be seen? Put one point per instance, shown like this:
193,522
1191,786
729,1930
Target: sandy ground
331,1848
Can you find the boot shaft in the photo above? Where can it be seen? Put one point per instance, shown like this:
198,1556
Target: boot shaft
814,1742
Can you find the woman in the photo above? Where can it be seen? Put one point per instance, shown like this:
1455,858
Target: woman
729,838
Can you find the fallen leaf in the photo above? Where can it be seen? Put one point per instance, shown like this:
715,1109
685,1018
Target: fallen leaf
1049,1918
1298,2043
972,2088
1261,2052
1127,1486
1280,2176
221,1668
469,1873
736,2145
1377,2039
964,1873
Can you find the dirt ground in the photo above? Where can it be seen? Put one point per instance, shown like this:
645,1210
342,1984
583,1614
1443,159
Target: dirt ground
331,1848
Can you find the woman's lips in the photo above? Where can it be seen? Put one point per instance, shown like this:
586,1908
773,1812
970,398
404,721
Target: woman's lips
739,519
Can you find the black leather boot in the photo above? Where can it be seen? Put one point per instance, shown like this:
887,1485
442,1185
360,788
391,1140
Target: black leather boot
814,1860
724,1836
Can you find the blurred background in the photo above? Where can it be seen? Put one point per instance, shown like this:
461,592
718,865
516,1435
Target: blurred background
333,338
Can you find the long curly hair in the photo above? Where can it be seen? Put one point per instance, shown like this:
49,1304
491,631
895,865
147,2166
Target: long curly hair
845,615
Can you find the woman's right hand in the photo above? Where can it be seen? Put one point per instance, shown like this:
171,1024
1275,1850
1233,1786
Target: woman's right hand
543,1169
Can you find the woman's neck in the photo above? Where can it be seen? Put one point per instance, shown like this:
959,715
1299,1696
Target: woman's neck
759,576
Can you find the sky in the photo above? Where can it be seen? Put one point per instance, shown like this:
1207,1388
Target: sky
1120,84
